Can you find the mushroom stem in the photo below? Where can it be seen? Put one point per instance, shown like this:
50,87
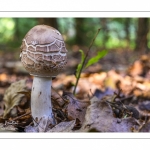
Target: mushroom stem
41,99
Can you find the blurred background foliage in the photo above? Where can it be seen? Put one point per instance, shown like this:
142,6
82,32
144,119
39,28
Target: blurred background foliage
116,33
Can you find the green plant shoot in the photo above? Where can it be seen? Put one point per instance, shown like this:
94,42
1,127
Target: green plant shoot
83,64
95,59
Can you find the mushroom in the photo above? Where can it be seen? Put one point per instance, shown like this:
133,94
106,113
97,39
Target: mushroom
44,55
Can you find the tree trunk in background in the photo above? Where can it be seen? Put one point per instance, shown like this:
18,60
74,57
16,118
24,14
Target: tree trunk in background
127,30
49,21
80,38
103,24
142,31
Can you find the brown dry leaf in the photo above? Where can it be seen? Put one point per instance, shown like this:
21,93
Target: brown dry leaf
136,68
63,127
97,79
87,83
12,97
99,116
140,67
3,77
57,99
64,82
112,79
26,93
75,108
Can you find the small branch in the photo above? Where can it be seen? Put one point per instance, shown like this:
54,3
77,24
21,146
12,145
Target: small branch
83,64
38,124
21,116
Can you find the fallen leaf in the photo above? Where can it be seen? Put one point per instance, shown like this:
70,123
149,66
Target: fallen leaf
99,116
136,68
63,127
75,108
12,97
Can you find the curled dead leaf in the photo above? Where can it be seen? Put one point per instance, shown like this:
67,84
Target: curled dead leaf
12,98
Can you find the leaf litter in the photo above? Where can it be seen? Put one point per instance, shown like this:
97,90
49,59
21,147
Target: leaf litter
112,101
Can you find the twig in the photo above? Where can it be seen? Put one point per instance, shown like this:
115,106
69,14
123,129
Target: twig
86,55
38,124
21,116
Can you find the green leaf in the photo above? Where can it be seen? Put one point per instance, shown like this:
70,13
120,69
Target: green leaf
81,63
95,59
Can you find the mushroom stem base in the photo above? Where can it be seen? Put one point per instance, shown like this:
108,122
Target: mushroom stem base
41,99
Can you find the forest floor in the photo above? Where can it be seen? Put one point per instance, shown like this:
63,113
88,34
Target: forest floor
112,96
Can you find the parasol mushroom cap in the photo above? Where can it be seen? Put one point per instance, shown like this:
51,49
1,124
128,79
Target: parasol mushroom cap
43,51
